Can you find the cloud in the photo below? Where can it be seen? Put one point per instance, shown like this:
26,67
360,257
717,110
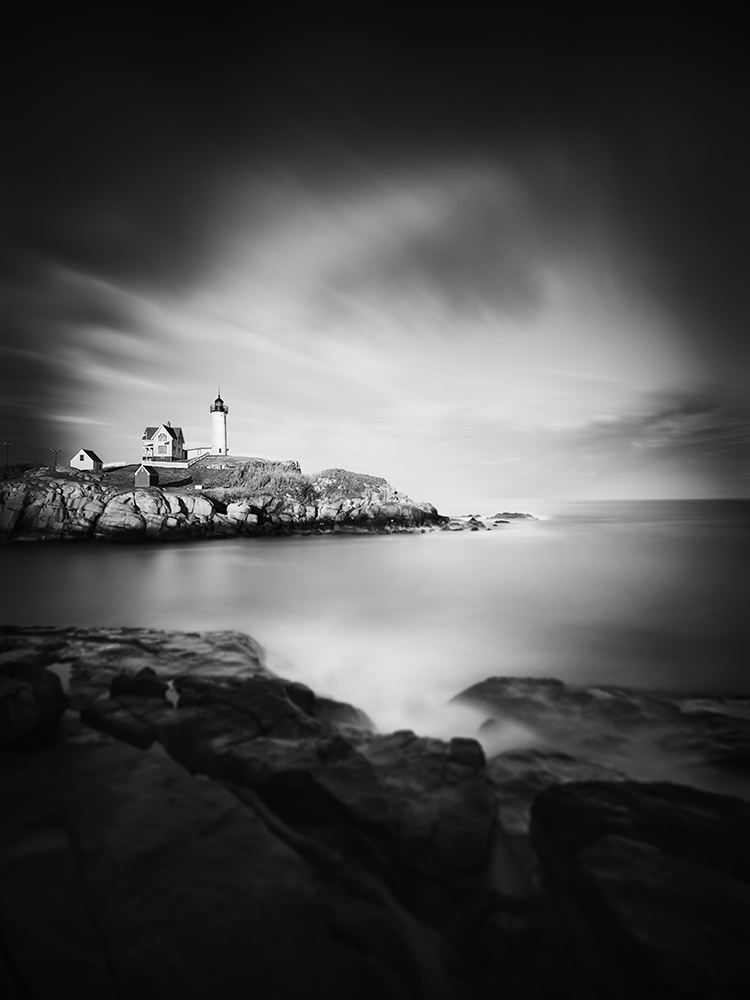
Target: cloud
68,418
468,238
462,237
687,417
705,434
344,222
60,327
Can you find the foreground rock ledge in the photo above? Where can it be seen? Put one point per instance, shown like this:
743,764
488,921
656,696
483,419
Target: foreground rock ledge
181,822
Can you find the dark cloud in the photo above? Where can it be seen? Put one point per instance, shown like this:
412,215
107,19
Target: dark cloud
120,149
107,175
111,188
707,433
615,124
469,244
487,234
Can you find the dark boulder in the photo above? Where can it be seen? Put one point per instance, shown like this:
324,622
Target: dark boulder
125,877
144,683
204,827
32,698
109,716
339,714
652,883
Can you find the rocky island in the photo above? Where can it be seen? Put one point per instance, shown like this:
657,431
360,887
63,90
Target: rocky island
216,498
179,821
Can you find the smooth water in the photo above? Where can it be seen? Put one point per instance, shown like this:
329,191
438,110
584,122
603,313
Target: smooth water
640,593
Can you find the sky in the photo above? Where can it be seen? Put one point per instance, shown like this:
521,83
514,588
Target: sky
486,261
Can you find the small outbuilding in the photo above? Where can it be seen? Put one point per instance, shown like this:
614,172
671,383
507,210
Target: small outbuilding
145,475
86,459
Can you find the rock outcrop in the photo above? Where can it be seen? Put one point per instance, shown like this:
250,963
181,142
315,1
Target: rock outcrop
32,699
48,506
474,522
260,840
182,822
652,885
649,735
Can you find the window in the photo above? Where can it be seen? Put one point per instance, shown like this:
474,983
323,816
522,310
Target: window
162,449
80,458
162,437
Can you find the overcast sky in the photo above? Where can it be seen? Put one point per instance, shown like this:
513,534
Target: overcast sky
480,262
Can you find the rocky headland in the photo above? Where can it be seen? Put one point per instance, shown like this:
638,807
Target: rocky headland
179,821
238,497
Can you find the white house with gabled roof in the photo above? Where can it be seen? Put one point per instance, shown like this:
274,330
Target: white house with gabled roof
164,443
86,459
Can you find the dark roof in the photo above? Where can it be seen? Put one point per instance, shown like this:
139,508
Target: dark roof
91,454
150,431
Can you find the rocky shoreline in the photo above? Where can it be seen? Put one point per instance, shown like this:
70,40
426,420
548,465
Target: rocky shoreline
47,506
182,822
62,505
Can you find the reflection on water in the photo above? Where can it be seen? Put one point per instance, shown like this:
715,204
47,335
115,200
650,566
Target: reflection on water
640,594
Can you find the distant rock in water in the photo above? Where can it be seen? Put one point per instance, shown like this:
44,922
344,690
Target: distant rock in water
216,830
515,516
241,498
473,522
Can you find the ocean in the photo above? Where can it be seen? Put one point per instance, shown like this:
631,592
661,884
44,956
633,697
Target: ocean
646,594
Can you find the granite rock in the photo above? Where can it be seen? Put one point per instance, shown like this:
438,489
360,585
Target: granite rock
32,699
195,825
46,506
652,886
134,879
649,735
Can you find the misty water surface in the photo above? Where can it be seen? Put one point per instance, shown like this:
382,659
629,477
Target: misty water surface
649,594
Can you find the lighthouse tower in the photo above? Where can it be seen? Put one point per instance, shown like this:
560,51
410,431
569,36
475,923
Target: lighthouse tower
219,411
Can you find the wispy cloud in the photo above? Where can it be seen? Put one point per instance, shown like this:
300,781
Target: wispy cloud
66,418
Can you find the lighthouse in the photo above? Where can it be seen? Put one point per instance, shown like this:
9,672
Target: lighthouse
219,411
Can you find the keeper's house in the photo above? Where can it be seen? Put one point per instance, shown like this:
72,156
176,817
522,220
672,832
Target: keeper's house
86,459
163,444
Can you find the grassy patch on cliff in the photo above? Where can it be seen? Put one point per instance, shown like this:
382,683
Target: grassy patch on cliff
233,477
339,483
257,477
14,470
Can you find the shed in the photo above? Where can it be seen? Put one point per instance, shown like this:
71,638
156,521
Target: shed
145,475
87,459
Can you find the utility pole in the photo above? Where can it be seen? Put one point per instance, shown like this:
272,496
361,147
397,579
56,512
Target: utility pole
7,445
57,452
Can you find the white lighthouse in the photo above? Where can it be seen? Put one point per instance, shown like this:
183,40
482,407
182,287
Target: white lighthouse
219,411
